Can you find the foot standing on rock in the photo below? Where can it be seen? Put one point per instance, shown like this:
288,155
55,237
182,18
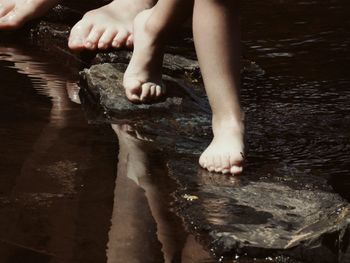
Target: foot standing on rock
216,37
102,28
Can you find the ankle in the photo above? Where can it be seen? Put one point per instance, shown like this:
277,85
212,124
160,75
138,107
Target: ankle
229,123
155,28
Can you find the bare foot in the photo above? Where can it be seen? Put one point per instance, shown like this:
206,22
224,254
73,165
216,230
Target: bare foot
14,13
225,154
143,77
108,26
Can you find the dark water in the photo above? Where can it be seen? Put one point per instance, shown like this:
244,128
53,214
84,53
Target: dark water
60,197
299,110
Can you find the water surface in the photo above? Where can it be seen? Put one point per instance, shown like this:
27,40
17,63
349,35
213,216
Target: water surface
69,192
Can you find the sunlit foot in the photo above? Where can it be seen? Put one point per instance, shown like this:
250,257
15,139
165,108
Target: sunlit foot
108,26
14,13
225,152
143,77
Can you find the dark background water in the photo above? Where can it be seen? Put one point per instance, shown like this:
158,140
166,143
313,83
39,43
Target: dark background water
301,103
57,185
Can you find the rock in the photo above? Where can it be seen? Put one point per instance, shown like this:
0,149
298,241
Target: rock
298,216
182,118
173,65
103,83
263,217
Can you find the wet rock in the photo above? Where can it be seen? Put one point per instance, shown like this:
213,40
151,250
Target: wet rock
262,217
173,65
294,216
103,84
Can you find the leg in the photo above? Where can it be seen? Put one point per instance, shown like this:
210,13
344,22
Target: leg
216,36
14,13
142,79
110,25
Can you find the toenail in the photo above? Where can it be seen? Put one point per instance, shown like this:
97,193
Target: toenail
75,41
225,171
89,45
101,45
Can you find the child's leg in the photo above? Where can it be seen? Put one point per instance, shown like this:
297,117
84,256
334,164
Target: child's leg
218,58
110,25
142,79
216,36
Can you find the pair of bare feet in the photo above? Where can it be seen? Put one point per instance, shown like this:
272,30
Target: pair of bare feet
122,23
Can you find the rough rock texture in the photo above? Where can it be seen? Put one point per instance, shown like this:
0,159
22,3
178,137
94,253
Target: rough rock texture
104,84
261,217
294,216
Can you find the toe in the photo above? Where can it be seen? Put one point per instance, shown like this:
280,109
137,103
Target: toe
235,160
217,163
11,20
236,169
210,163
226,171
78,35
225,161
152,92
5,8
211,168
158,91
203,161
92,40
106,39
146,90
120,39
133,89
130,41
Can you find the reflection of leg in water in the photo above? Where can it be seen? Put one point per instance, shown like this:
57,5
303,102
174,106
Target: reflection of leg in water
38,175
130,219
73,92
193,252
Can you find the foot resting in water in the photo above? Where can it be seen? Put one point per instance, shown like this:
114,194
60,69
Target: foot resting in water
108,26
14,13
143,77
225,154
